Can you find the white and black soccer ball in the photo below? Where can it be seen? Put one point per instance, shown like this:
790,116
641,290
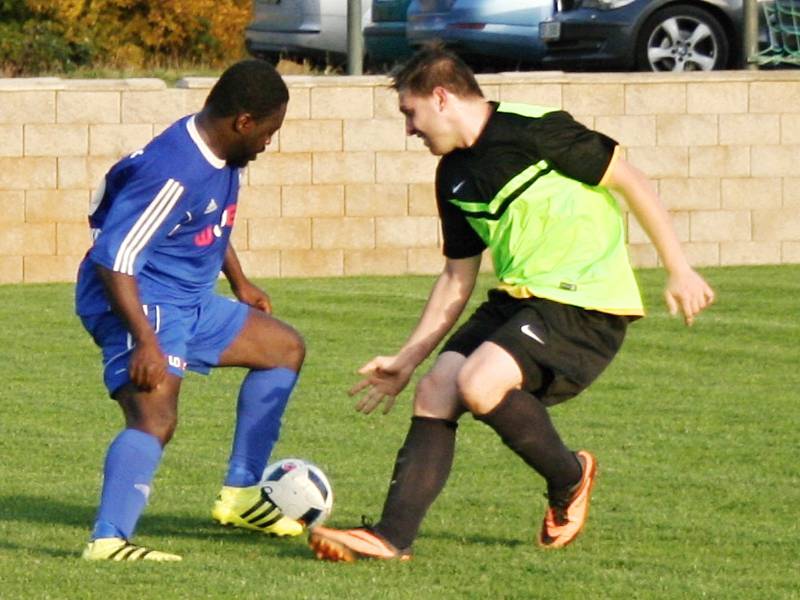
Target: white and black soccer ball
299,489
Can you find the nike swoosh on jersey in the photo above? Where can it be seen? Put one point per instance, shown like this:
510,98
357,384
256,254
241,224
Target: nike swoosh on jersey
526,329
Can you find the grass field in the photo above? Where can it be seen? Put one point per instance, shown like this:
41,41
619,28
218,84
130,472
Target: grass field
696,432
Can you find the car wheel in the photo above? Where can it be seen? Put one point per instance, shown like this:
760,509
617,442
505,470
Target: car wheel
682,38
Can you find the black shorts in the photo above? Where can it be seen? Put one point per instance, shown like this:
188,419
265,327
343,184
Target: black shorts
559,348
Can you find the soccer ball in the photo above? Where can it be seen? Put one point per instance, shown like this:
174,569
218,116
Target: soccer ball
299,489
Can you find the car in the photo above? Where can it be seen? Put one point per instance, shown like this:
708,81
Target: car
644,35
385,40
300,29
489,34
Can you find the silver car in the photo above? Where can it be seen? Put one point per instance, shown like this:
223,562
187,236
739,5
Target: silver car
300,29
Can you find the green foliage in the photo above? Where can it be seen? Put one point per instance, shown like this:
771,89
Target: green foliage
39,37
695,431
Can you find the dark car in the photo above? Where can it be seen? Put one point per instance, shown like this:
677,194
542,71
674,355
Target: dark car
385,36
644,35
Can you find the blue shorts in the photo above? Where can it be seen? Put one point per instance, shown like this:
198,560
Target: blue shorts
192,337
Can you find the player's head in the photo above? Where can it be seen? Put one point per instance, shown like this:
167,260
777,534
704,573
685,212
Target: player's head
252,96
430,86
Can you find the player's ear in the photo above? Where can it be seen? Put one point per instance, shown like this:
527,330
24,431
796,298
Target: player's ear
243,123
440,97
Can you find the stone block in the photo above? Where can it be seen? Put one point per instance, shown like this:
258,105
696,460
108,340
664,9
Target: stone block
750,253
776,225
11,138
72,239
299,106
655,98
60,206
385,102
312,263
643,256
28,239
425,261
81,171
381,261
10,269
374,134
349,233
717,98
118,140
594,98
422,200
405,167
746,130
343,167
773,96
539,94
790,129
259,201
50,269
686,130
775,161
660,161
790,254
12,207
312,201
280,169
240,237
376,199
791,192
719,161
163,106
28,107
629,130
311,136
279,233
690,193
27,173
87,107
702,254
406,232
743,193
720,225
341,103
56,140
260,263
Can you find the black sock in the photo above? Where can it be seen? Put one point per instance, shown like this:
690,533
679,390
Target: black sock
522,422
420,472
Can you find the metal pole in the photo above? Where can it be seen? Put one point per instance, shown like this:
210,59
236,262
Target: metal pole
750,34
355,39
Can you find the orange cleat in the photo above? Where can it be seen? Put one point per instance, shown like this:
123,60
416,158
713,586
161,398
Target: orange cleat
348,545
566,516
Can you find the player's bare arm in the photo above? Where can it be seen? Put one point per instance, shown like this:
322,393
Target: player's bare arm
148,365
686,290
386,376
241,286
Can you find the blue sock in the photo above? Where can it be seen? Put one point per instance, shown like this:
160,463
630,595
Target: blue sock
262,400
131,462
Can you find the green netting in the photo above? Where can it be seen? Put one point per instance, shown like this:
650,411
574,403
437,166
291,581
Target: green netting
783,30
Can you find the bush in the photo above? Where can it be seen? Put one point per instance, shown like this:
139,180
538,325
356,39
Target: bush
52,36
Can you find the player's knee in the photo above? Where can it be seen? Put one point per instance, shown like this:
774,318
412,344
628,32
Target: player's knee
295,352
430,397
473,391
161,425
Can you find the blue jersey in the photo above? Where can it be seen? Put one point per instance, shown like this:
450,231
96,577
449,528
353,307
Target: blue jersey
164,215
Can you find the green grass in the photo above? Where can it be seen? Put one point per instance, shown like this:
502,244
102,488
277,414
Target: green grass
696,432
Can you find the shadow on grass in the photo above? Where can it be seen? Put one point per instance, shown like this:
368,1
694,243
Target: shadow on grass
53,512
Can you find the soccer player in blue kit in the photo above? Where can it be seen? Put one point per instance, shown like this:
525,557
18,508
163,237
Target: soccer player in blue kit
161,223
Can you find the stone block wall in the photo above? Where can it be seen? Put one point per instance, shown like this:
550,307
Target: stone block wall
343,191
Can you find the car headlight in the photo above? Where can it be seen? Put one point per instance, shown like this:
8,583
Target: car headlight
605,4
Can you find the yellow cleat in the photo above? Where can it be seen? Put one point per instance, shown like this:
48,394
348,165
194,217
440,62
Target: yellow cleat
248,508
121,550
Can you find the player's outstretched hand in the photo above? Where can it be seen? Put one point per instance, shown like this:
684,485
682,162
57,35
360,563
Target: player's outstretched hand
254,296
384,378
688,292
148,366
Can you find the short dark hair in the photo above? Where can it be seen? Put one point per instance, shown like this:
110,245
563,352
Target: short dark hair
433,66
248,86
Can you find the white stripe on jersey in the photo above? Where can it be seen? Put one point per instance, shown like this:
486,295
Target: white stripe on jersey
146,225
